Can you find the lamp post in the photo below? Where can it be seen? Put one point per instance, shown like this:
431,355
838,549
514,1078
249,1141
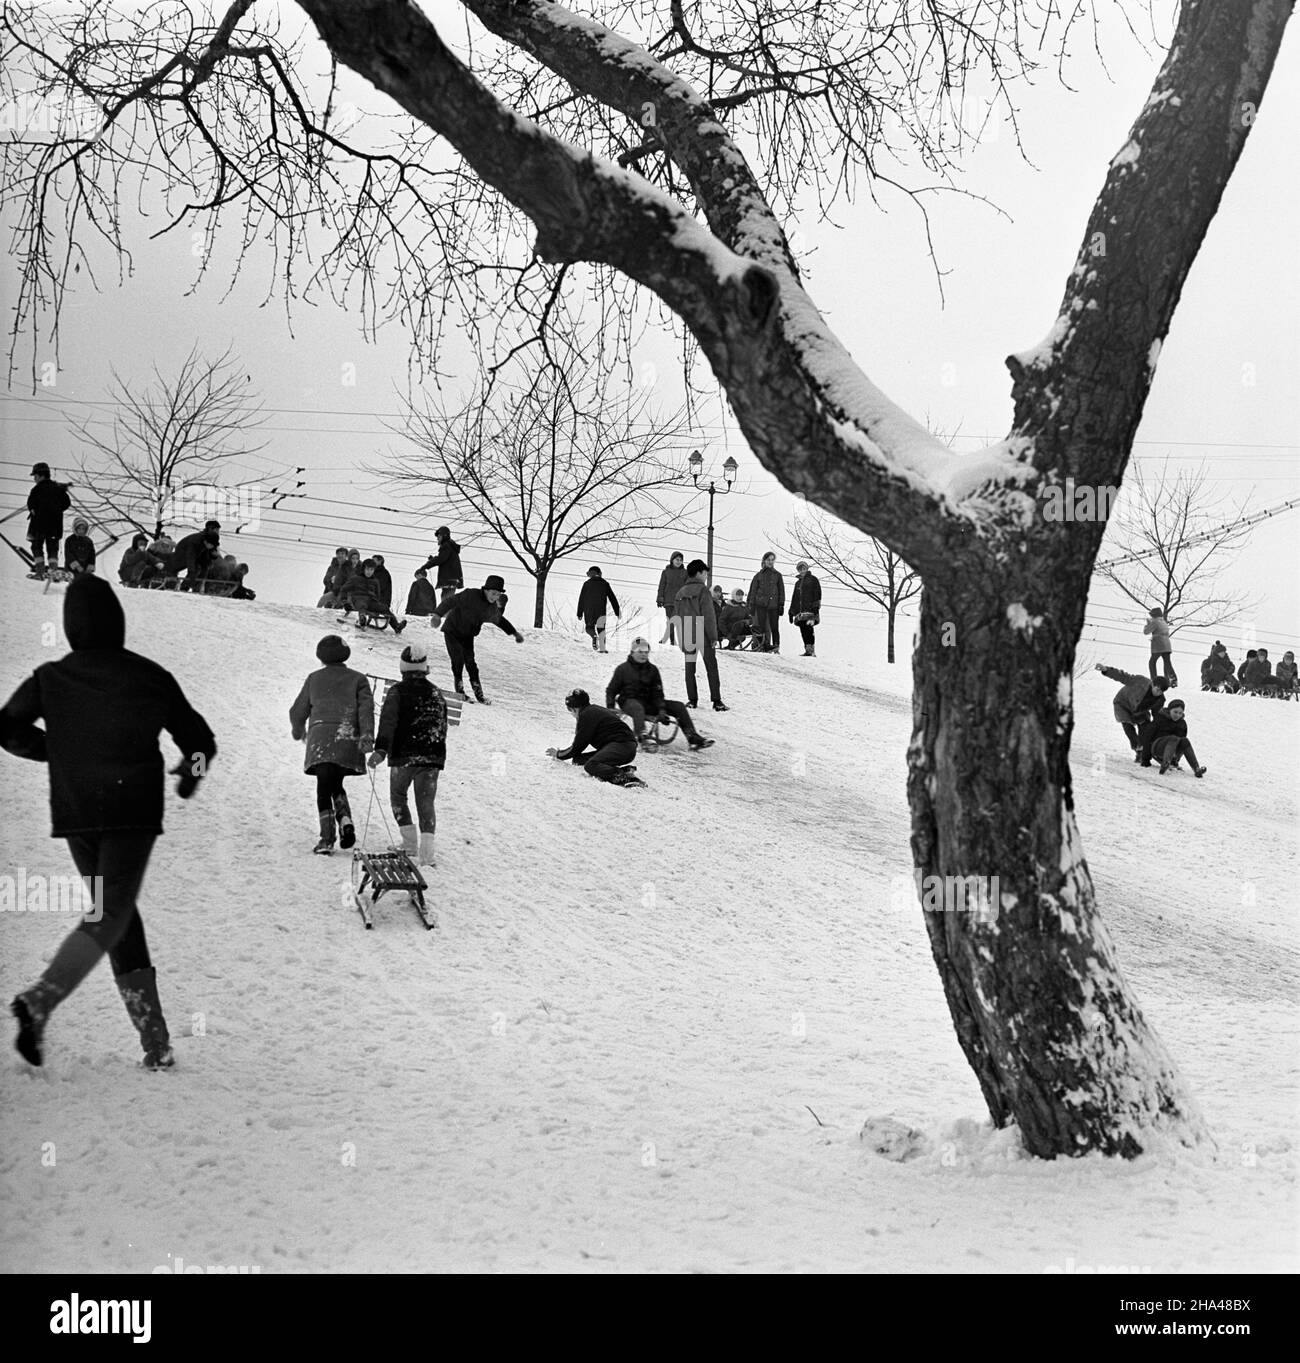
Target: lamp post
729,476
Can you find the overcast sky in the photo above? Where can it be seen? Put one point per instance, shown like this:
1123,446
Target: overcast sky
1225,394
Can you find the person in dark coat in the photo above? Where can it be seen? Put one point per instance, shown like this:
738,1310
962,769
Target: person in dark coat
1135,703
1286,673
103,708
447,560
79,548
1258,672
362,593
194,553
385,580
806,607
412,734
335,714
461,617
336,575
139,563
421,599
671,581
694,611
603,731
595,600
46,503
638,690
767,601
1217,670
735,621
719,602
1165,738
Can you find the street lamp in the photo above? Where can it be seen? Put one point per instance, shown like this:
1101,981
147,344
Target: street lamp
729,475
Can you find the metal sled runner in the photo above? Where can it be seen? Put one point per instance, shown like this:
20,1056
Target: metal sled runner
375,873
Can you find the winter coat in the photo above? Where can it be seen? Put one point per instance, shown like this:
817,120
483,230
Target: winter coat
807,596
596,729
136,564
46,503
1134,701
193,554
1158,628
671,581
1258,672
78,549
736,617
361,590
1217,668
336,574
636,681
467,612
695,599
385,580
413,724
767,590
422,598
1286,673
103,708
336,711
595,596
447,561
1161,726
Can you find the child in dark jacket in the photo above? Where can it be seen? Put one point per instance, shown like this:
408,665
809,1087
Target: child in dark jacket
412,734
103,708
79,548
602,730
1165,738
421,599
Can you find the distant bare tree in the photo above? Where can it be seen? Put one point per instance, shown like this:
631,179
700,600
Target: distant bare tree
1172,540
856,561
552,460
177,431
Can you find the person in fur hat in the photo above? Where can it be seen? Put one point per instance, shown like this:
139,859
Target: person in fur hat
335,714
79,548
412,735
595,600
103,708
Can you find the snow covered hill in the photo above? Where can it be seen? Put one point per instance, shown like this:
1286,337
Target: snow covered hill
652,1023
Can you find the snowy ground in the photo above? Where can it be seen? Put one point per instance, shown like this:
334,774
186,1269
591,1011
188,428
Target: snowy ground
610,1054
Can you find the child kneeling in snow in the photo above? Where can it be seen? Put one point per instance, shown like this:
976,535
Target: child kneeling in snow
1165,738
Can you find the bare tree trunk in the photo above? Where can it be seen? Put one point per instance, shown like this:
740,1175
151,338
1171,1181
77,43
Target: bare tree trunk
539,599
890,613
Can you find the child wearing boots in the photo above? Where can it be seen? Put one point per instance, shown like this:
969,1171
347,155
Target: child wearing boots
335,714
1158,628
1165,739
413,736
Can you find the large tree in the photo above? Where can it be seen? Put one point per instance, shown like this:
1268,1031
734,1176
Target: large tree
625,149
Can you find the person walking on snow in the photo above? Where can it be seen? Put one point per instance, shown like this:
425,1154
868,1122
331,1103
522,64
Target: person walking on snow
412,734
767,601
595,600
103,708
335,714
603,731
638,690
46,503
806,606
447,559
1165,737
1135,703
462,617
694,611
1158,628
671,581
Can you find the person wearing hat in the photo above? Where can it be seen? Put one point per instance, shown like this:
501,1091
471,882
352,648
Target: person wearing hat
335,714
79,548
594,601
46,503
421,599
767,601
694,611
638,690
447,561
412,734
1135,703
806,606
671,581
1217,671
461,617
1165,738
734,621
1286,674
139,563
103,708
363,593
1157,626
336,575
602,730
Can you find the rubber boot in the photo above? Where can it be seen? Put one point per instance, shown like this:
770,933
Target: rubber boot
479,696
410,839
326,844
139,990
426,849
32,1008
343,813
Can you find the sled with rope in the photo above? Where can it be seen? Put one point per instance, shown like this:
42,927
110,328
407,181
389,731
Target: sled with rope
376,873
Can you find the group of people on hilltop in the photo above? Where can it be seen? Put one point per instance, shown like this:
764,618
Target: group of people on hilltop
1255,676
190,563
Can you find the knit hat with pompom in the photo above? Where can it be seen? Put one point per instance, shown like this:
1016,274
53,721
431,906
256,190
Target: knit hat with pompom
414,659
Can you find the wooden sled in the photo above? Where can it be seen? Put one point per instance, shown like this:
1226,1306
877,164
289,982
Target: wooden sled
376,873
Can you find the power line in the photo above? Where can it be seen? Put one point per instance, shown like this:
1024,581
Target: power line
1201,536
